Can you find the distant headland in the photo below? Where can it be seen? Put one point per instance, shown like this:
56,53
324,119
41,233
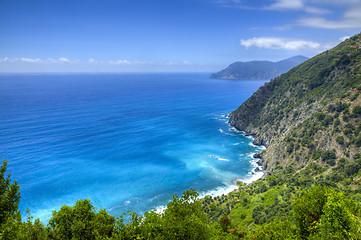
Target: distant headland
258,70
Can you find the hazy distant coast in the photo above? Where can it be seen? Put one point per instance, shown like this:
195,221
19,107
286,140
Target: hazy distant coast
258,70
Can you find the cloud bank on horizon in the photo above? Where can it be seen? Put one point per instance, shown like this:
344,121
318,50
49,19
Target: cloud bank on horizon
199,35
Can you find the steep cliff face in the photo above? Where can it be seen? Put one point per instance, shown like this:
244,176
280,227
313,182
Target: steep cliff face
304,111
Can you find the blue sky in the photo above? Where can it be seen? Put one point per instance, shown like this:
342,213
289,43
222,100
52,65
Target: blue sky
166,35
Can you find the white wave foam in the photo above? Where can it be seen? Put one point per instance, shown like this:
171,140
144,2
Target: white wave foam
252,145
218,158
231,187
250,155
227,188
249,137
255,176
220,190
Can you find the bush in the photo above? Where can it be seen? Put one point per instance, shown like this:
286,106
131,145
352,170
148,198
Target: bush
337,122
352,168
327,121
340,106
331,162
331,108
275,230
316,154
308,209
328,155
340,140
320,116
356,110
322,213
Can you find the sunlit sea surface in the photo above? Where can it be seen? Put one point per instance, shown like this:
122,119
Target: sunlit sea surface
128,142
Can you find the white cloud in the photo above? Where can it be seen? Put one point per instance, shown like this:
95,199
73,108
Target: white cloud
63,60
141,62
286,4
127,62
349,19
31,60
349,14
277,5
178,63
300,5
344,38
232,4
92,61
38,60
4,59
279,43
120,61
328,24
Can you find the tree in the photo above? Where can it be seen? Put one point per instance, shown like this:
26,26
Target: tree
308,209
80,222
184,218
31,229
323,213
9,202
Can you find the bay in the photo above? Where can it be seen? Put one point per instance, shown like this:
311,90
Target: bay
128,142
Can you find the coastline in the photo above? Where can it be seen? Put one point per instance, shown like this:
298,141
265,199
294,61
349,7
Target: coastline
256,173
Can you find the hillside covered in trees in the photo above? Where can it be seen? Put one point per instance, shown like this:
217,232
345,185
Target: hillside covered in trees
310,120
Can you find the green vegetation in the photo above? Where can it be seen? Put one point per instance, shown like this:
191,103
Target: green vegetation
284,206
184,218
310,119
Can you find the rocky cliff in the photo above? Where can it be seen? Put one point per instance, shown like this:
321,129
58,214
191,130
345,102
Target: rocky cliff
311,110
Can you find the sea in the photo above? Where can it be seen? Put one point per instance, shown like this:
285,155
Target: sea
127,142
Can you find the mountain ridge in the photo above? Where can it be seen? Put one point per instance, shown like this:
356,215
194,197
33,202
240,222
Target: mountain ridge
258,70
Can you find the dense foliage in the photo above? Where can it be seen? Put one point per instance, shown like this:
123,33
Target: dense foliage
284,206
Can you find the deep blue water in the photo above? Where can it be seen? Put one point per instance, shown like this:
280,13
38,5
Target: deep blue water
125,141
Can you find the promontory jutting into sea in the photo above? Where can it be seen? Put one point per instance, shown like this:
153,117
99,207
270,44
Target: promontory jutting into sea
125,141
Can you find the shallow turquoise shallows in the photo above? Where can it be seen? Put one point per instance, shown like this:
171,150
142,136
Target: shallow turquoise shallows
128,142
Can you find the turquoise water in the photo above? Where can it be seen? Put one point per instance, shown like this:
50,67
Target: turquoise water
128,142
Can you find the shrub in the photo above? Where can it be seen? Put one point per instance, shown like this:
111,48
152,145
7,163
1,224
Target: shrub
316,154
356,110
328,155
340,140
322,213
